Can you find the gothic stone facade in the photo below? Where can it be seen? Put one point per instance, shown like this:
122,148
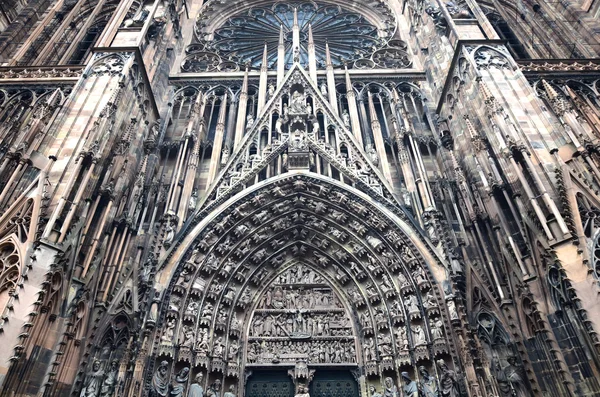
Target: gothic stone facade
277,198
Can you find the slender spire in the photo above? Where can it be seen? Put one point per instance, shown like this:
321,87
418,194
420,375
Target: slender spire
485,91
223,110
312,56
296,31
348,82
328,56
262,83
280,56
265,61
245,82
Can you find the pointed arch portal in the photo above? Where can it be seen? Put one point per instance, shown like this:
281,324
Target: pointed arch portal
301,274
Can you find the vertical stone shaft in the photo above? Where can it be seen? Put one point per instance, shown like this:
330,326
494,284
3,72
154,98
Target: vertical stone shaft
378,137
262,85
218,143
241,115
353,110
331,81
312,56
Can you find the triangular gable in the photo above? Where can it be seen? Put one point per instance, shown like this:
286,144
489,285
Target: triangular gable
239,170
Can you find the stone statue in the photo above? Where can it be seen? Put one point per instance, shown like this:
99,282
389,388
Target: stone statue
110,382
93,380
169,234
271,91
427,383
511,380
231,392
324,89
390,388
179,382
214,390
302,392
372,154
452,310
160,382
448,385
249,122
297,103
196,389
346,118
410,388
437,328
374,392
419,335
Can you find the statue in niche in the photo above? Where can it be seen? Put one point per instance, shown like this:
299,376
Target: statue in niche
419,337
160,382
296,54
346,118
218,348
430,301
372,154
374,392
93,380
452,310
179,382
202,343
302,392
389,388
193,200
110,382
234,348
270,91
448,383
511,380
231,392
187,339
427,383
192,308
411,304
297,103
169,234
169,331
370,350
402,338
437,328
402,280
224,155
419,275
410,388
196,389
249,122
214,390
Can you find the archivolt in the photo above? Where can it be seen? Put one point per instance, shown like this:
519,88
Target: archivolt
381,270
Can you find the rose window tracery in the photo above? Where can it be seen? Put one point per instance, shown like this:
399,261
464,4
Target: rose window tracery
241,38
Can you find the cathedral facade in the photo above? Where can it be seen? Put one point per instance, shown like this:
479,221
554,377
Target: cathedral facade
374,198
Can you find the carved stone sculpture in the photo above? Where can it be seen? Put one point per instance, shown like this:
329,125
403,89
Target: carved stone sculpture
448,385
302,392
196,389
160,382
230,392
374,392
410,388
93,381
390,388
427,383
214,390
110,382
179,382
511,380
